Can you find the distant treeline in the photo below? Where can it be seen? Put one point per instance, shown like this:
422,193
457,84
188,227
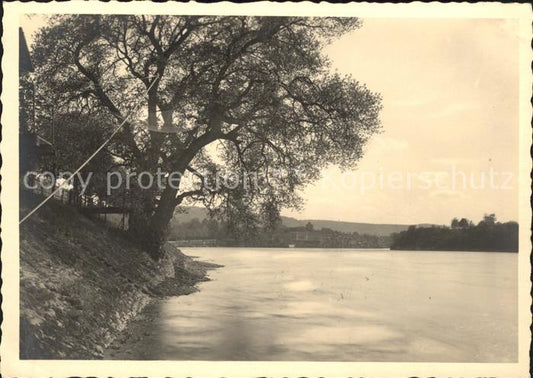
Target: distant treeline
280,236
463,235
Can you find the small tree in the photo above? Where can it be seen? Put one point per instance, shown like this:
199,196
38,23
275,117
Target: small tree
488,220
465,223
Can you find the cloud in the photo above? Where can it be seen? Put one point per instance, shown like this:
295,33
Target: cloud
453,162
386,145
447,194
451,109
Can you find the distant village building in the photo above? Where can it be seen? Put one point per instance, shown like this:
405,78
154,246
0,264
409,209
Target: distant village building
328,238
195,243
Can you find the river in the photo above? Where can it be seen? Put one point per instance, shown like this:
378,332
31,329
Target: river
338,305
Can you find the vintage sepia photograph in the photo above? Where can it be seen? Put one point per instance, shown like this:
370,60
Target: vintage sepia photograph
200,184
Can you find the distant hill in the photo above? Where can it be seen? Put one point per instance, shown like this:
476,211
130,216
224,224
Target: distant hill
361,228
377,229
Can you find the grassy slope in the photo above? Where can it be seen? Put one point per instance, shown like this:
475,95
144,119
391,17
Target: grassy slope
80,282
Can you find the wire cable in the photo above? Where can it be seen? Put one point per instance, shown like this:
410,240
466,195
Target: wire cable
87,160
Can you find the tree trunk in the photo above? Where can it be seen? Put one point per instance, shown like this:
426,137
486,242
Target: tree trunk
141,205
151,225
158,225
148,225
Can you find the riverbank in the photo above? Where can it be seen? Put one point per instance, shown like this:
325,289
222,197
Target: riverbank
82,283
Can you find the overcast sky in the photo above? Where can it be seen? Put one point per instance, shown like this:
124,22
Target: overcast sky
450,109
450,104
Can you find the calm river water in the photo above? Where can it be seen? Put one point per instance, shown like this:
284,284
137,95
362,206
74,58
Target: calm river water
339,305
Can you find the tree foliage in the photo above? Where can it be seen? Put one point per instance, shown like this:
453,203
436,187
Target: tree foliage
258,89
488,235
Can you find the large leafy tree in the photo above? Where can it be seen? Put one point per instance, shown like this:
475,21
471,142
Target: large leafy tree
260,87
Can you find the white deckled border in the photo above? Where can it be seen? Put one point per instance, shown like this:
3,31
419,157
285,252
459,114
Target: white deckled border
11,365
